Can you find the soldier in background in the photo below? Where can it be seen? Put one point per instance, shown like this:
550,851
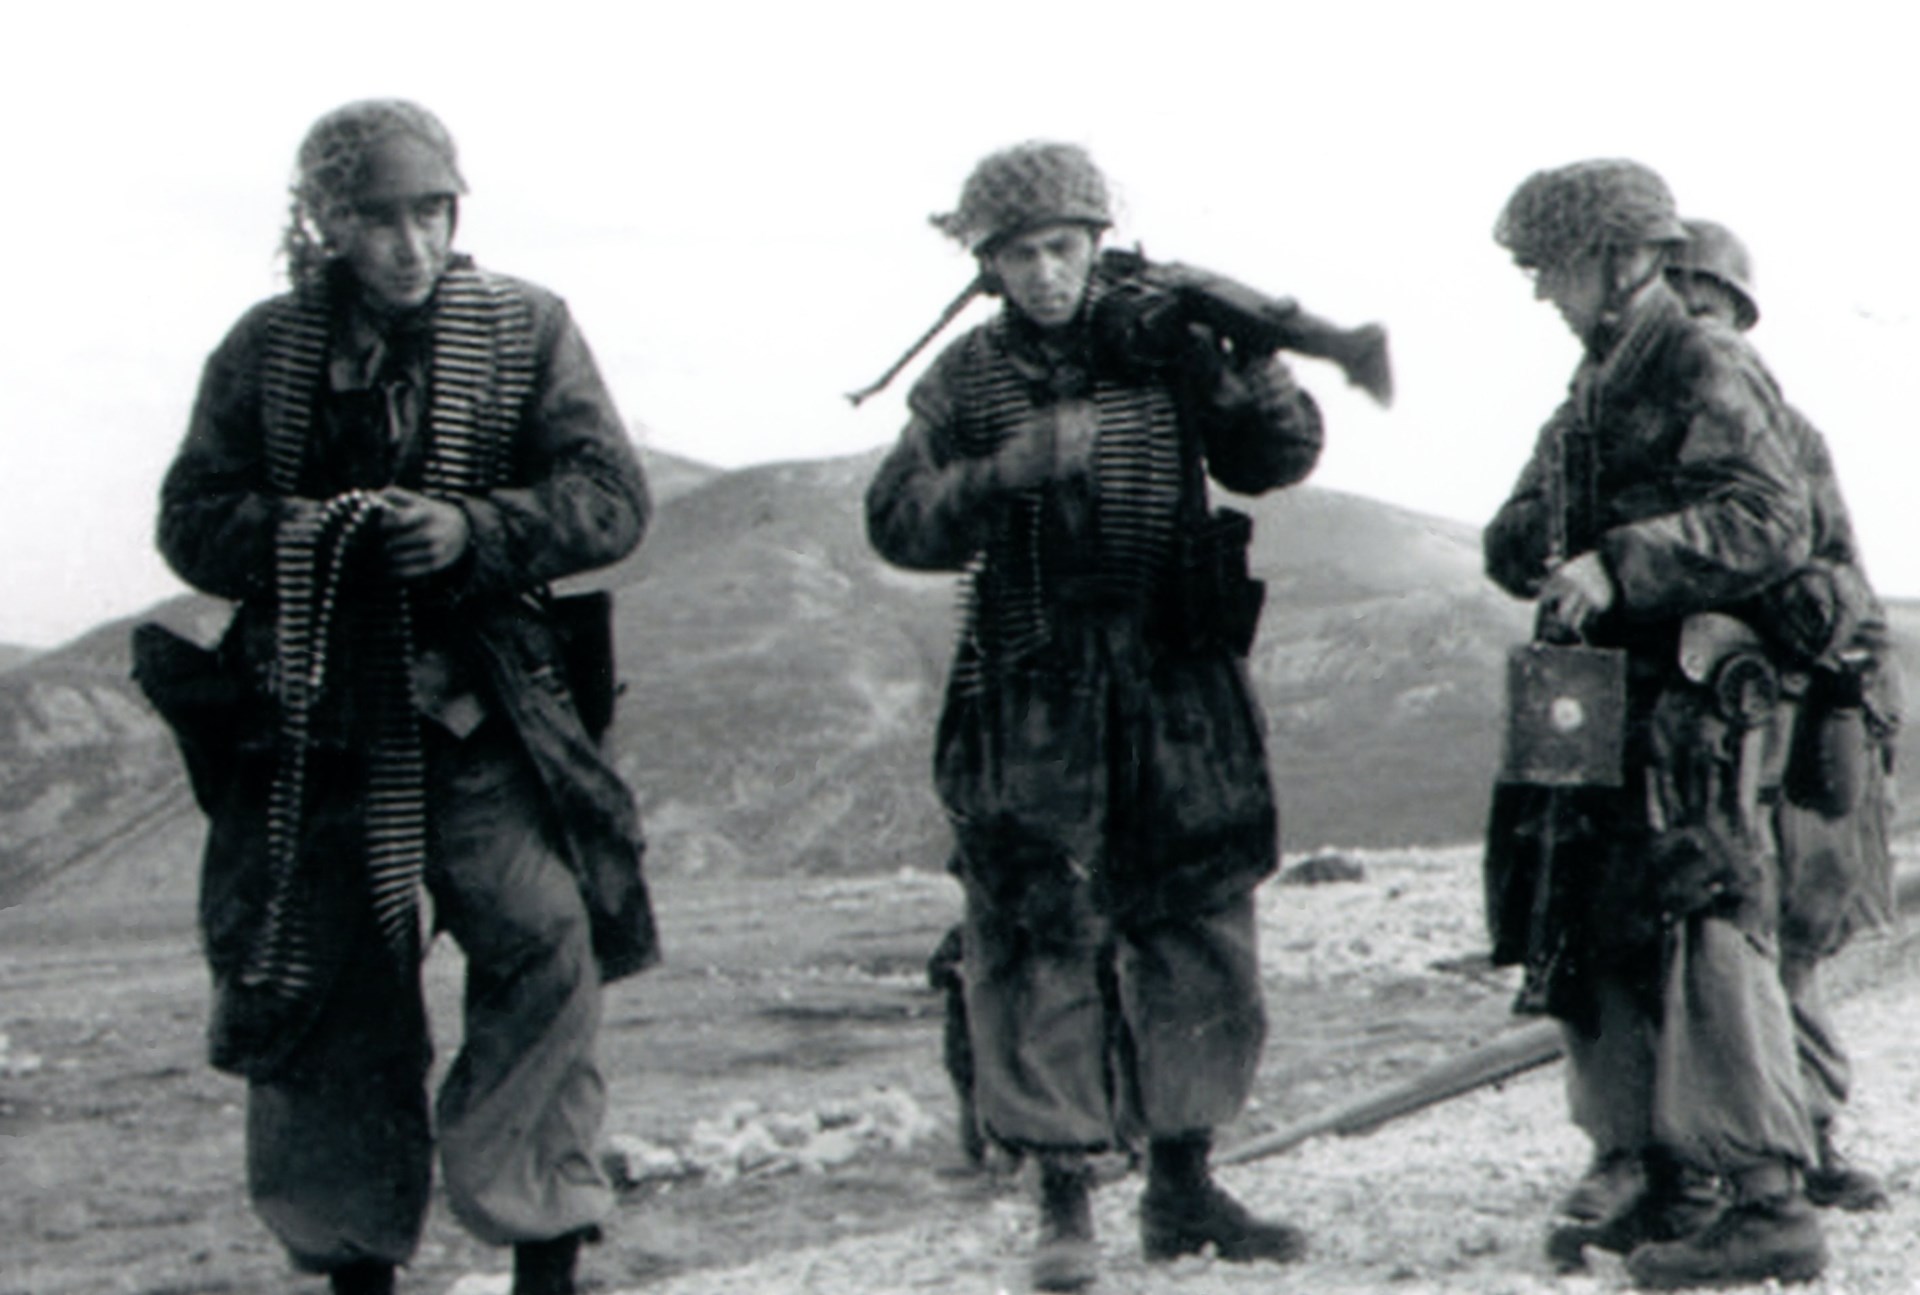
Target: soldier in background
1661,505
384,468
1100,754
1835,813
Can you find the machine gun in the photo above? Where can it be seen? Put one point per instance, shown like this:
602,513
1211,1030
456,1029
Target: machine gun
1147,309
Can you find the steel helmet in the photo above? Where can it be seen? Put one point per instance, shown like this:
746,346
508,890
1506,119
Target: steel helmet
1026,187
1714,252
372,149
1559,214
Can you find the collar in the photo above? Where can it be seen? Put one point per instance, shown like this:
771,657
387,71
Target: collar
368,344
1636,334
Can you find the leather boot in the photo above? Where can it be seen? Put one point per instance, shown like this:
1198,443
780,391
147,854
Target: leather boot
1612,1180
1183,1211
367,1277
546,1267
1066,1258
1769,1232
1837,1183
1675,1200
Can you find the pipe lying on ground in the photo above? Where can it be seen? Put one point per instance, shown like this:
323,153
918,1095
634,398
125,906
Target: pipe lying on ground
1513,1053
1524,1048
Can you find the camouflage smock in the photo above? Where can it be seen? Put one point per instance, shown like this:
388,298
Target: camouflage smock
1684,478
572,497
1100,742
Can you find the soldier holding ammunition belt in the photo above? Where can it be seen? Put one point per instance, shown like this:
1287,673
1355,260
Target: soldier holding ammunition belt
385,467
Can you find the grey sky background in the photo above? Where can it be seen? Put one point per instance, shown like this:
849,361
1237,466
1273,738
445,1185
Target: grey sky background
733,197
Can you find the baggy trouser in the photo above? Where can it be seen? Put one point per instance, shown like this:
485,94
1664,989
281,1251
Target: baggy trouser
1100,1034
1700,1059
339,1143
1713,1076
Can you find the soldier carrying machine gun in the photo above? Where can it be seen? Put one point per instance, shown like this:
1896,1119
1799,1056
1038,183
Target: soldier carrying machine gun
1162,300
1099,751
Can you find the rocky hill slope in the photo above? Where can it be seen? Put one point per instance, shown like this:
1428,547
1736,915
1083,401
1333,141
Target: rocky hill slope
782,685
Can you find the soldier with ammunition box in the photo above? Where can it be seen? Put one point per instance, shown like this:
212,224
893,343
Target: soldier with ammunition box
1662,506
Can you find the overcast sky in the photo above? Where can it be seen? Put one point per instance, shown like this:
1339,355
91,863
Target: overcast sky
734,199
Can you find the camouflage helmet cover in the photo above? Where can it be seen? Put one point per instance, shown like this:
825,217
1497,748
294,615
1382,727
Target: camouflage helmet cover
1714,252
1023,188
1569,211
366,148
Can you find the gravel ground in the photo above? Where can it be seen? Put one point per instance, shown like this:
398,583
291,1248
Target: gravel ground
1455,1199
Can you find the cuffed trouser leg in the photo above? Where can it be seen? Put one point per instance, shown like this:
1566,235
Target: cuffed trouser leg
1610,1075
1041,1030
339,1153
1065,1058
1195,1017
521,1107
1727,1084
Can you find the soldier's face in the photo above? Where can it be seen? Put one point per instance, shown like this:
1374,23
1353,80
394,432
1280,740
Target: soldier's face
396,246
1578,288
1044,272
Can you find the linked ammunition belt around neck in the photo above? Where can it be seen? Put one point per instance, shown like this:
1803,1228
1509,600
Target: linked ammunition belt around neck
481,373
1139,470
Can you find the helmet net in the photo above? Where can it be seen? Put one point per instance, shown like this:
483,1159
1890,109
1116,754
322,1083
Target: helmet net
1557,215
331,167
1024,187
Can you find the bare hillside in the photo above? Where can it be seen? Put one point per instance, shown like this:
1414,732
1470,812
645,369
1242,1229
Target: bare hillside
782,685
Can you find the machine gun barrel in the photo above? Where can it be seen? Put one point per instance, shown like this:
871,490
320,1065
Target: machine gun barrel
1259,323
947,316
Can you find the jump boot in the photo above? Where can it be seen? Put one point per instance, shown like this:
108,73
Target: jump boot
1673,1200
1183,1211
546,1267
1613,1179
367,1277
1066,1258
1769,1232
1837,1183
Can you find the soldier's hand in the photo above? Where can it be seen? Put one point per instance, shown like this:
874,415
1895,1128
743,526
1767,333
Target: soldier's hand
1025,460
298,510
1575,594
424,535
1076,426
1056,442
